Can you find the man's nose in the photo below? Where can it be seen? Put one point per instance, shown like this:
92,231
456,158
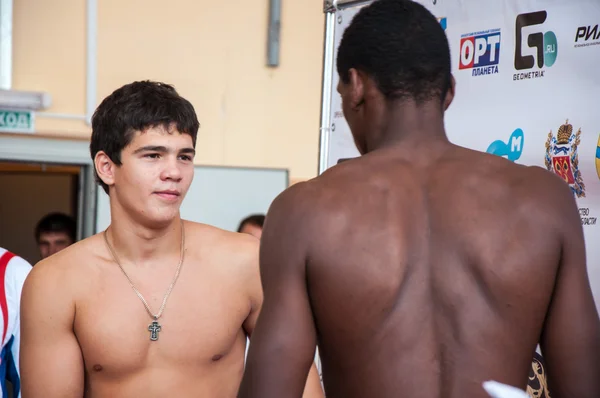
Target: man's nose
172,170
53,248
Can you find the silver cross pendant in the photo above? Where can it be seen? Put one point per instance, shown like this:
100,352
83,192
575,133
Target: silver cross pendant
154,328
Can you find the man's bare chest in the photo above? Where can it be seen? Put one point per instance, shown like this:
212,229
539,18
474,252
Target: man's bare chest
202,320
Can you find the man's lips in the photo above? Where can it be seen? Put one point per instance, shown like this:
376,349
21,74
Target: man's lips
168,194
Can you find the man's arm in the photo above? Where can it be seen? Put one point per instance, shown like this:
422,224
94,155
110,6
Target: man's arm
282,348
51,359
313,387
570,340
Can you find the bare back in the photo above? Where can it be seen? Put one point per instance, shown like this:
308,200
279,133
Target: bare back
425,281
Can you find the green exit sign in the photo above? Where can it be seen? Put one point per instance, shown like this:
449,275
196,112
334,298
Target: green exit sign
12,121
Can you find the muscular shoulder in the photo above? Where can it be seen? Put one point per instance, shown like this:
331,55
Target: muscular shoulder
66,271
537,186
530,194
229,251
493,179
542,180
231,256
293,208
300,217
546,193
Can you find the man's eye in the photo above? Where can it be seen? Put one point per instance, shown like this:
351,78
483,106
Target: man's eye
152,156
186,158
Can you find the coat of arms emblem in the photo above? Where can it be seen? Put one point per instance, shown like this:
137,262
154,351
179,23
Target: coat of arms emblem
562,159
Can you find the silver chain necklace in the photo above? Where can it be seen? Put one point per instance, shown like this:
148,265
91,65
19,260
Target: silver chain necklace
154,327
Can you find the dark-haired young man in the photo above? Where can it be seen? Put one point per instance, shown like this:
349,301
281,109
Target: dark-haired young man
55,232
252,225
411,265
154,306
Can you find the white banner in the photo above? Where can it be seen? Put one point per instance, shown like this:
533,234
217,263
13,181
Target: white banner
527,75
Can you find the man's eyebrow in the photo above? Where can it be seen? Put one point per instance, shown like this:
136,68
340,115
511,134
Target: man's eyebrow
151,148
188,150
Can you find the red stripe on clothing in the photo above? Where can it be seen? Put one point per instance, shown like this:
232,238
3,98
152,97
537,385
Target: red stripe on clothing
4,259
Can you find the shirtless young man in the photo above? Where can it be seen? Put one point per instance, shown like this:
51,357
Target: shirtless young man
411,265
85,331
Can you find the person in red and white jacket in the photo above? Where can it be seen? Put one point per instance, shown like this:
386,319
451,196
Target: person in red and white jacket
13,271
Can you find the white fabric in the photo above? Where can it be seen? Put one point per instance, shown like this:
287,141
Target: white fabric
499,390
16,273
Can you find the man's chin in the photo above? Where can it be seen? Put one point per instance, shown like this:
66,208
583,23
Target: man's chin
162,218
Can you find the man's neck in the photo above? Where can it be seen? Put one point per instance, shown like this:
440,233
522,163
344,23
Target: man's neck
138,244
410,126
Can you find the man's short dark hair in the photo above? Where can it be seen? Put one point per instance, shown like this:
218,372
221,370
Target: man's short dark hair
258,220
56,222
402,46
136,107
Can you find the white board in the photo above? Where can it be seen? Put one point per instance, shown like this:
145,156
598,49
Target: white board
340,139
219,196
509,112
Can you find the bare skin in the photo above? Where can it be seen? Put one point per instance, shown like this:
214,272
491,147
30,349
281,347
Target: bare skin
422,269
97,318
252,229
84,330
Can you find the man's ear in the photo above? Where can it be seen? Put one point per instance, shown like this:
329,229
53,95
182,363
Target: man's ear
356,88
105,168
450,93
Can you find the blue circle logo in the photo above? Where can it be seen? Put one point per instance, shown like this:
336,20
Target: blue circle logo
550,48
511,149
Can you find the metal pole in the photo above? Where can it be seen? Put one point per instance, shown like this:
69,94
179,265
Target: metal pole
273,42
328,66
91,58
87,205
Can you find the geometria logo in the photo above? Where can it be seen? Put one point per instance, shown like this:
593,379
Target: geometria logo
545,45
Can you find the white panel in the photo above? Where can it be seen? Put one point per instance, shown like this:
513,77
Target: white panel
42,150
338,141
341,143
6,52
220,196
102,211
